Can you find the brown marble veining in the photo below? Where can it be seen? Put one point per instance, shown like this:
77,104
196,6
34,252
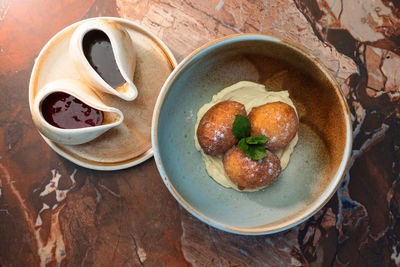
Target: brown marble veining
55,213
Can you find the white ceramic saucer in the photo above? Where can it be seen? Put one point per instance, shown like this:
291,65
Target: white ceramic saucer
130,143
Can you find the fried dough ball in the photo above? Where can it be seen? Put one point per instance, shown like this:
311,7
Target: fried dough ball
248,173
277,120
214,132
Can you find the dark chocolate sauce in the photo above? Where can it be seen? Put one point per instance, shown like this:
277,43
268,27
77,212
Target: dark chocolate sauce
67,112
98,51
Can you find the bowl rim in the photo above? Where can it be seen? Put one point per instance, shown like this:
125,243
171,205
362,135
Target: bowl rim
273,227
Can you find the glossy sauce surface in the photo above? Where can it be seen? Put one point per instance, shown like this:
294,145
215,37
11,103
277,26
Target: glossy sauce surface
98,51
67,112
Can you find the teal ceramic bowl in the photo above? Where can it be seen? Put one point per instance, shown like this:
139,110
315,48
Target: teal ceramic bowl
317,164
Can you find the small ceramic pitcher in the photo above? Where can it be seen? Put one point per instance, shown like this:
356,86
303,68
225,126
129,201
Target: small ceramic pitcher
122,48
112,117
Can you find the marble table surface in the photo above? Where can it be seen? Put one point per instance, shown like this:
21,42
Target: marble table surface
116,218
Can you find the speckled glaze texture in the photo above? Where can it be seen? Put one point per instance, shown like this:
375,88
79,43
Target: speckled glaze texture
128,143
54,212
320,156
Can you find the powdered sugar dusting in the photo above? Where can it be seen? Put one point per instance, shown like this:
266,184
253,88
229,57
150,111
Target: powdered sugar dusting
249,173
250,95
215,127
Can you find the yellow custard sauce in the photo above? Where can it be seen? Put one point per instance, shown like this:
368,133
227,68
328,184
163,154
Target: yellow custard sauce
251,95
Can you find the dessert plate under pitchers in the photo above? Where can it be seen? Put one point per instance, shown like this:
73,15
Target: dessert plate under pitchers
129,143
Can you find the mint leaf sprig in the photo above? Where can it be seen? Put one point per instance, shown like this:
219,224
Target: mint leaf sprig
251,146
